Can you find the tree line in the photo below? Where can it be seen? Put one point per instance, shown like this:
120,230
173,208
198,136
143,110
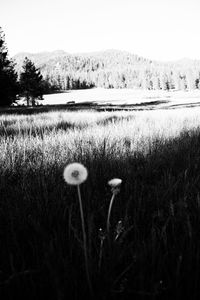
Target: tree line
120,70
29,84
116,69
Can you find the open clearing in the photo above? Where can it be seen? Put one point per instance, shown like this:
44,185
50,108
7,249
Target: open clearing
129,97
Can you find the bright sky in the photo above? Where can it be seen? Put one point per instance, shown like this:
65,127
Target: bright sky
156,29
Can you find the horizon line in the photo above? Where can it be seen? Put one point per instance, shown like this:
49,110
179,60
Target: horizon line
101,51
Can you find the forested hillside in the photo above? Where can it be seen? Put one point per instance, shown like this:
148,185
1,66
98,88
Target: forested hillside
113,69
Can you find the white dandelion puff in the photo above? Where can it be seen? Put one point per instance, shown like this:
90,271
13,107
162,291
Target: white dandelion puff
75,174
115,182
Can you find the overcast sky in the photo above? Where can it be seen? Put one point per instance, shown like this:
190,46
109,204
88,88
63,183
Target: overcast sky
156,29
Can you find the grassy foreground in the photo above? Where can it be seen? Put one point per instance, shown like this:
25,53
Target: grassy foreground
153,251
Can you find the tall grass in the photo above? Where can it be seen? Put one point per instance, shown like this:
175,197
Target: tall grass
156,252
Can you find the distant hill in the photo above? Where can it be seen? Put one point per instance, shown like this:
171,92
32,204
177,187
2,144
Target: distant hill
112,69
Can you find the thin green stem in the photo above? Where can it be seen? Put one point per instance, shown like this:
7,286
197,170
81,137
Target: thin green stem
100,255
84,241
109,212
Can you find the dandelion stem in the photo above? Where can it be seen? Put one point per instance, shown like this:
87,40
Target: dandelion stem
84,241
100,255
109,212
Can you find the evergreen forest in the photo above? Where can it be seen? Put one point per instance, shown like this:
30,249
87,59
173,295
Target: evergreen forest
112,69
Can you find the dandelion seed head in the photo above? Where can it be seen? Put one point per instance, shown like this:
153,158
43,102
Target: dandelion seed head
75,174
115,182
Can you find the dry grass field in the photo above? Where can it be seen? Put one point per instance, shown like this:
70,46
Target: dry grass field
153,247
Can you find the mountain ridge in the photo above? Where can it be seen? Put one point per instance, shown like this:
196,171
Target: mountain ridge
112,68
100,52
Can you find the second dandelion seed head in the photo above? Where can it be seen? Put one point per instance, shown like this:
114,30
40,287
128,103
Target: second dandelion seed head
115,185
115,182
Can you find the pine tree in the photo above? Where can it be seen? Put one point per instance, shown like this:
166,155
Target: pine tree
31,83
190,79
8,76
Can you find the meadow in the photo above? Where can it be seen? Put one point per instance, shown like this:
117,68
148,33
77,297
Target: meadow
153,247
114,97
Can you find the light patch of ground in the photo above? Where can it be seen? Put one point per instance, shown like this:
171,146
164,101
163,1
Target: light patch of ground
161,99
